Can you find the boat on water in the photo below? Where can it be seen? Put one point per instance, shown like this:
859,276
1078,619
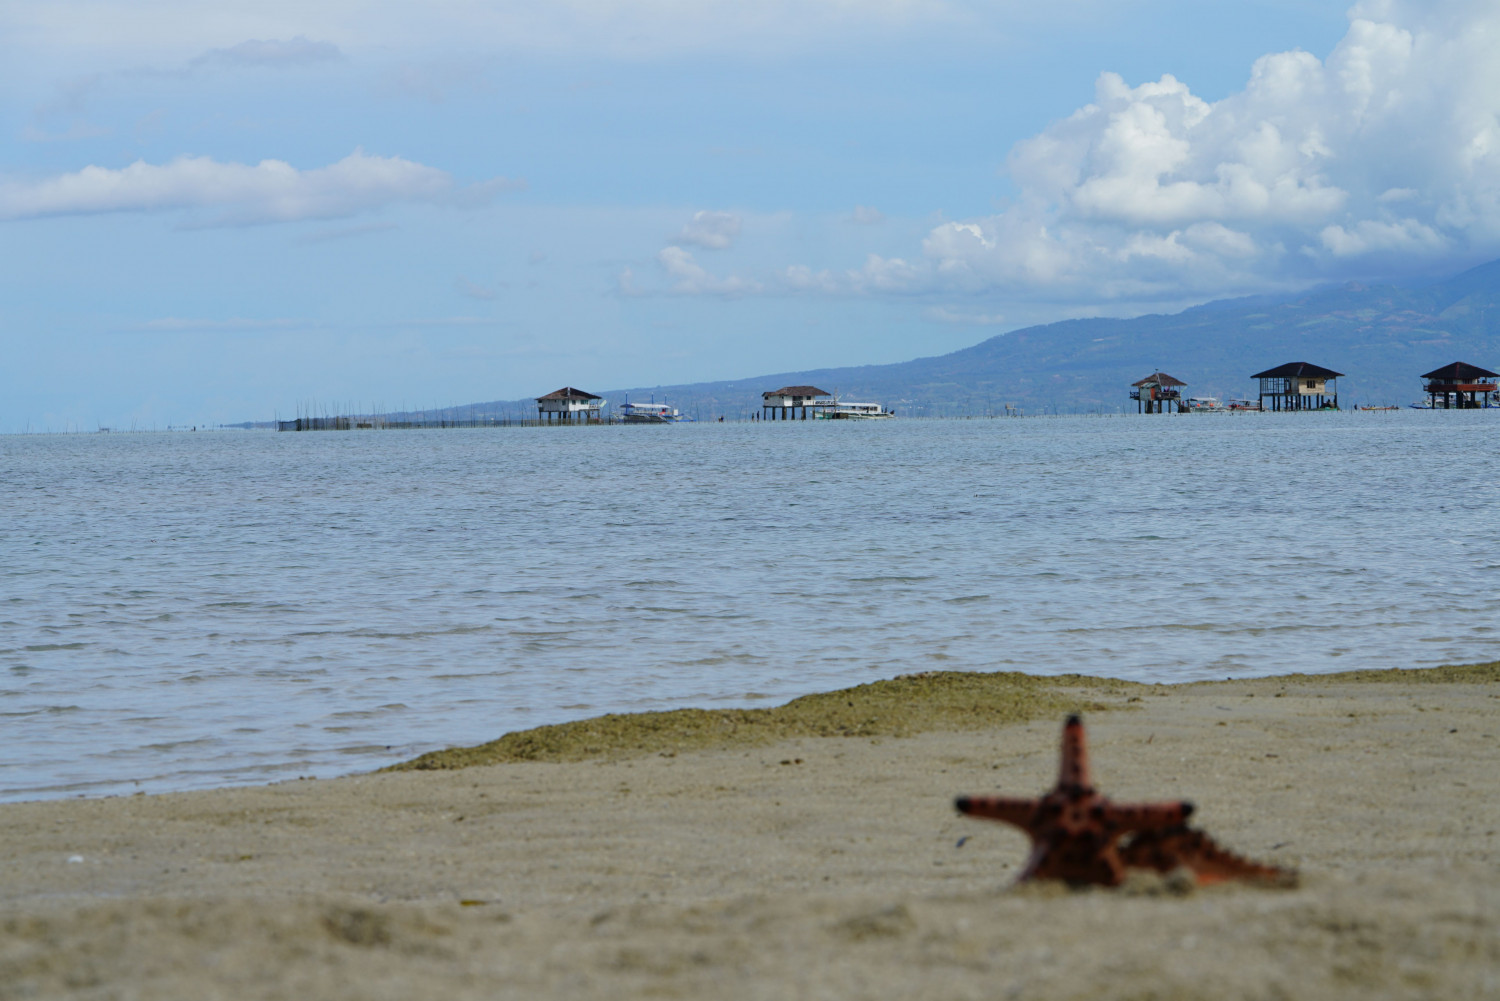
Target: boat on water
842,411
1388,407
650,413
1242,406
1206,405
1425,405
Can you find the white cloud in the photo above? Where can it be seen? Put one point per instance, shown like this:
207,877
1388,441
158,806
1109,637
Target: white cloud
473,290
687,277
880,275
944,314
74,94
864,215
1368,236
274,52
714,230
1387,151
628,28
238,194
888,274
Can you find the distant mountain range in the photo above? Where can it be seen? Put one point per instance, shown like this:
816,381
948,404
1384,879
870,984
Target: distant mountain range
1382,337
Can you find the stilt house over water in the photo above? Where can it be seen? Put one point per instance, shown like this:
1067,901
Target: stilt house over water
784,403
1461,386
1298,385
1158,393
569,404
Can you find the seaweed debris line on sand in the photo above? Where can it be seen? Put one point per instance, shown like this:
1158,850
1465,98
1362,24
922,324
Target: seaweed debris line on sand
1075,832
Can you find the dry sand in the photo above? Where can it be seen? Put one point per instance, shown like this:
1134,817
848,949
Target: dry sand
807,867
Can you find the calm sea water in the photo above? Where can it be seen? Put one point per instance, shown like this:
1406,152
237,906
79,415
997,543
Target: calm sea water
191,610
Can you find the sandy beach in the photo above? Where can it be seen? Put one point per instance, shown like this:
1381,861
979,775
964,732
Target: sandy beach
718,856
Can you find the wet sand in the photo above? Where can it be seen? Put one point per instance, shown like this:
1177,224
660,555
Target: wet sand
776,866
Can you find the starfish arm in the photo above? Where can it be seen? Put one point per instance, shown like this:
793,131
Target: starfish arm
1073,771
1147,816
1184,847
1021,813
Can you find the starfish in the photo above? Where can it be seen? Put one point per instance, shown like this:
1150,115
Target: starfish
1075,832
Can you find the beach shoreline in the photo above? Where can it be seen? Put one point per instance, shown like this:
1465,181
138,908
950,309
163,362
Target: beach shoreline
778,862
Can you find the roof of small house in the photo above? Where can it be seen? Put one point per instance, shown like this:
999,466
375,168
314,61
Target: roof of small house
1460,372
1159,379
568,393
1297,370
798,391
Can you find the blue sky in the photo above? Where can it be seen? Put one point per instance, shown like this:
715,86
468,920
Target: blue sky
221,212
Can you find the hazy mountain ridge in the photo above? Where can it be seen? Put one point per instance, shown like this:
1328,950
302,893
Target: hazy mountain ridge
1383,337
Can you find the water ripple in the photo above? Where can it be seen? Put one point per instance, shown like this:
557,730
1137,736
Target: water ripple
197,610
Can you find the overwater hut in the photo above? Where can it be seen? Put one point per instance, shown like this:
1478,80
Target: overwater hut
1158,393
1461,386
569,404
1298,385
784,403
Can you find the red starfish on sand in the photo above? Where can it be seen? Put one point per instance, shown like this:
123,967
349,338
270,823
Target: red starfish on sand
1075,832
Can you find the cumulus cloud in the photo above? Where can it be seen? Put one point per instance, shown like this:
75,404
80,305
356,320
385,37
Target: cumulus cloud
864,215
686,276
714,230
240,194
1387,151
887,275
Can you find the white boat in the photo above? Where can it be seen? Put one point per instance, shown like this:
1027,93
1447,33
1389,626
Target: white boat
1244,405
650,413
842,411
1206,405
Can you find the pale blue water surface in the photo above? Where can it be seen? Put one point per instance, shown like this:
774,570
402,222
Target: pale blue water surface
190,610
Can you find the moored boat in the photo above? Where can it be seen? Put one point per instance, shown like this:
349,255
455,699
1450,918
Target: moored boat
650,413
842,411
